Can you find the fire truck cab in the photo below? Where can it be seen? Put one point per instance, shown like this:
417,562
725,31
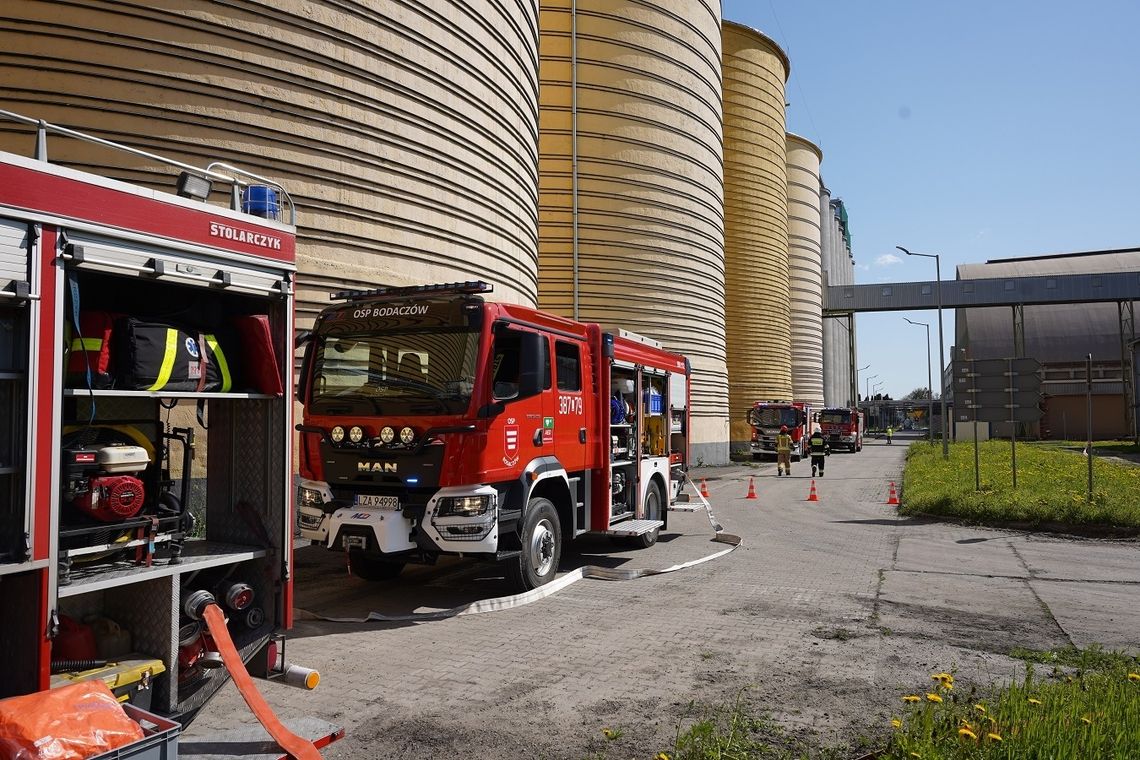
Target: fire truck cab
766,419
842,427
437,422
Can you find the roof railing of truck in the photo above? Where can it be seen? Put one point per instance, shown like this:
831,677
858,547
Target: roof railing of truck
441,289
193,182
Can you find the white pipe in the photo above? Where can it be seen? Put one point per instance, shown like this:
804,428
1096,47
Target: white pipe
574,145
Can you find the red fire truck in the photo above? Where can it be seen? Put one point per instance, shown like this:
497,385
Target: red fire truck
437,422
766,419
128,317
842,427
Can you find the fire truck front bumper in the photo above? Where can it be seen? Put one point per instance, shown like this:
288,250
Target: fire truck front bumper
463,520
763,446
314,507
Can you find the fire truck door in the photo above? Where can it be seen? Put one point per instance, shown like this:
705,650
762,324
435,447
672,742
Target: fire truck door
573,399
520,383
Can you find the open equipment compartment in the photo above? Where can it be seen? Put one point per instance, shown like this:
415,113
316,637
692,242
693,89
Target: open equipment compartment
100,558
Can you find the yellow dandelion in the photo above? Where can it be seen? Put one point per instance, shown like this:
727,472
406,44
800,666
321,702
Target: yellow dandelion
980,708
992,720
661,756
1134,676
966,724
945,677
994,737
966,733
610,733
933,698
1033,701
896,723
912,698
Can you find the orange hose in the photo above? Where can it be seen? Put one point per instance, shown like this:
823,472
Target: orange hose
297,747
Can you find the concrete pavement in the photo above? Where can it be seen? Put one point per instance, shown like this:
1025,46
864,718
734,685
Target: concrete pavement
826,613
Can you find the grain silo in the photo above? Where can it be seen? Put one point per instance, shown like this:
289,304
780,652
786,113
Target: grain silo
805,267
631,227
838,269
756,224
406,131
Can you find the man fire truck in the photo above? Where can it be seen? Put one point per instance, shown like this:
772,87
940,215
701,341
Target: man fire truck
842,427
117,303
766,419
437,422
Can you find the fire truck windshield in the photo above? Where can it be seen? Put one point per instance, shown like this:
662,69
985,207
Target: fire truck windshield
424,371
774,417
835,417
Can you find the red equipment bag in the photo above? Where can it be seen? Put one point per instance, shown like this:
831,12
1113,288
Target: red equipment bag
68,723
259,360
91,348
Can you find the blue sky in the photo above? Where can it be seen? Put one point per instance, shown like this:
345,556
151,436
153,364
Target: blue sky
975,130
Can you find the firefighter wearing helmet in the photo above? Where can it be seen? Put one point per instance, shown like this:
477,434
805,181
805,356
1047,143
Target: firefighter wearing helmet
783,452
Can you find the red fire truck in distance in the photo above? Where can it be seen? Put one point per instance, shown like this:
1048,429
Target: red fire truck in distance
842,427
766,419
437,422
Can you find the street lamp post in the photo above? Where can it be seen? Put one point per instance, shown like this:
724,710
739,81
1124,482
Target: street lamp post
879,407
929,385
941,352
867,394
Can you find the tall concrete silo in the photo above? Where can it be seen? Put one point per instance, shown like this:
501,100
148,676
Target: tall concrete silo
756,224
805,267
838,269
406,131
631,228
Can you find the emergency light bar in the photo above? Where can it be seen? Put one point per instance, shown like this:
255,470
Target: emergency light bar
445,288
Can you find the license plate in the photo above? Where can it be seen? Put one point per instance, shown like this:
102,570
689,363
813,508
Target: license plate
355,542
374,501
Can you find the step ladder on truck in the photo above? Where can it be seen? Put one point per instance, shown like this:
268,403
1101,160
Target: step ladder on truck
146,526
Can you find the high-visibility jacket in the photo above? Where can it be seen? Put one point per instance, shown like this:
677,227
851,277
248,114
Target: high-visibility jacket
783,443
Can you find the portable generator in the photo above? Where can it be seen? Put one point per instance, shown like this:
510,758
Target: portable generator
102,480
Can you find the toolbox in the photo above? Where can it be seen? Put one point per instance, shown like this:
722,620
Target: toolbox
129,678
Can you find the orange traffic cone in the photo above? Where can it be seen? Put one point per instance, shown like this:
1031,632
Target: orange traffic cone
751,490
704,488
811,495
892,498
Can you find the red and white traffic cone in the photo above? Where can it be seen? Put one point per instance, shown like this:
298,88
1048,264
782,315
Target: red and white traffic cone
811,494
892,497
751,490
704,488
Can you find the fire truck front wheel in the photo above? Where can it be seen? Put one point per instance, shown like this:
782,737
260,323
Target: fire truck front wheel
368,568
541,544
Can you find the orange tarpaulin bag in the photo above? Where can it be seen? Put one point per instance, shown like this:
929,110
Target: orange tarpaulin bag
69,723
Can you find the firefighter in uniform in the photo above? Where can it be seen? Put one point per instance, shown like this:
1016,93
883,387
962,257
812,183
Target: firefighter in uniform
819,448
783,452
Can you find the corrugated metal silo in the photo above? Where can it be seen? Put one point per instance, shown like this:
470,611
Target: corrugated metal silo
805,267
839,269
406,131
631,229
756,224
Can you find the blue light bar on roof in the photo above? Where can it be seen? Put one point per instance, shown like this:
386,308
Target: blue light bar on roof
447,288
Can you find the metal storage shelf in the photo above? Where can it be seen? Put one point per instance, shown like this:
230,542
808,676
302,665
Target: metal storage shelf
81,392
196,555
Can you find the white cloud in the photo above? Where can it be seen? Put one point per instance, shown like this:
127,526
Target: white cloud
863,267
887,259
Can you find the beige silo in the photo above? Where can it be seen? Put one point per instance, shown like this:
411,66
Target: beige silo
756,224
406,131
805,270
631,227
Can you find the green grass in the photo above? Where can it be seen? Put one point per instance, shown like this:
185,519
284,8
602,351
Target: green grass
1052,486
1090,712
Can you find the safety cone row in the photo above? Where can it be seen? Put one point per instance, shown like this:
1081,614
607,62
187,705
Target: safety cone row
751,490
892,497
704,488
811,494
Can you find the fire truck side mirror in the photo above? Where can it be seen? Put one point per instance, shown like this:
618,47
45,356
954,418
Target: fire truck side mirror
304,339
532,364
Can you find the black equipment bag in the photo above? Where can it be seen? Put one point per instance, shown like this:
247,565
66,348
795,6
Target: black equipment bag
155,356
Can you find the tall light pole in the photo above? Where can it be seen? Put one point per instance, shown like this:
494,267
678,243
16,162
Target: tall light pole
929,386
875,389
941,352
867,394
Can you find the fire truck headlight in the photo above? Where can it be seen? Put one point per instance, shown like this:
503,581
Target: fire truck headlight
337,434
387,434
464,506
407,435
356,434
309,497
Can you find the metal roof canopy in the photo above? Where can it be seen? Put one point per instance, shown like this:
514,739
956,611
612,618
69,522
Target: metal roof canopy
996,291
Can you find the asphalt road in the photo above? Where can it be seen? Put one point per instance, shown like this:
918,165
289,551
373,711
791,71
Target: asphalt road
826,613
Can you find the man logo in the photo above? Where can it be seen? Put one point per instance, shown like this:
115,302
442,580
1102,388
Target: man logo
375,466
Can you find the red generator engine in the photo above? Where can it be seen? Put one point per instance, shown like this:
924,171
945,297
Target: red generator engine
101,480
